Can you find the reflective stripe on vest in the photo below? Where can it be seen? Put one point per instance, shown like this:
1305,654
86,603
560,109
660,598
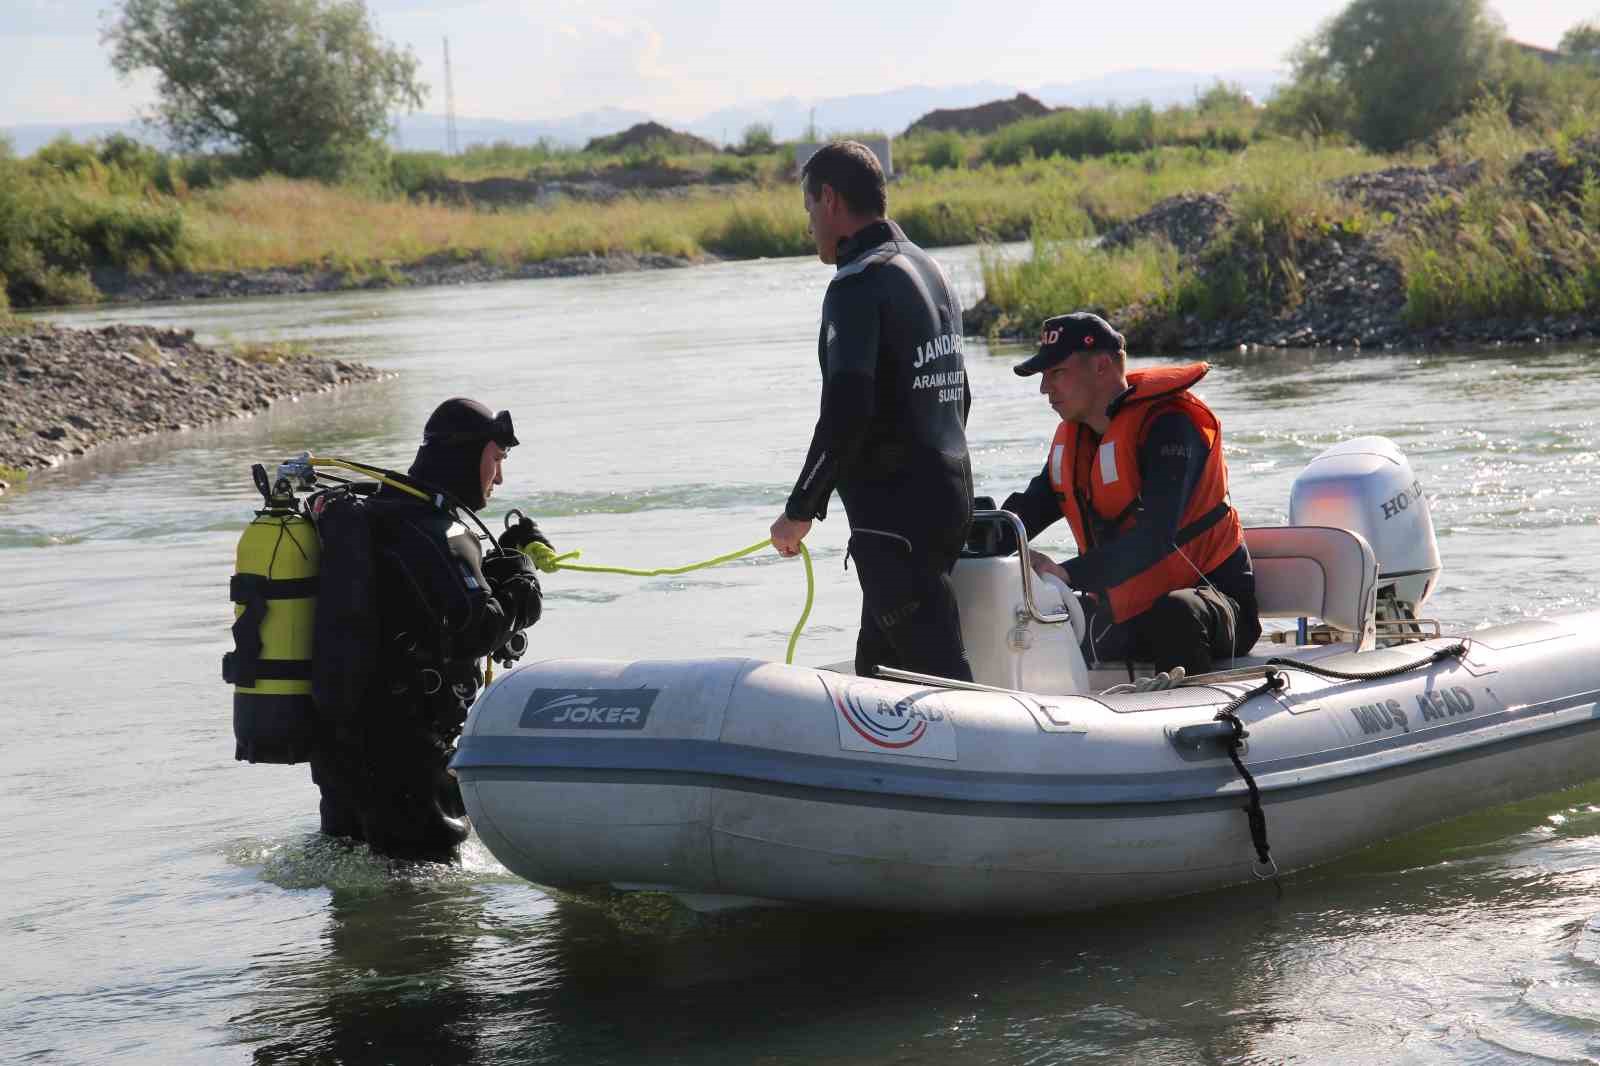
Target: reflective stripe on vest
1102,474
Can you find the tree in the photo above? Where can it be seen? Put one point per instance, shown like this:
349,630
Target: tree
1582,40
1407,66
300,87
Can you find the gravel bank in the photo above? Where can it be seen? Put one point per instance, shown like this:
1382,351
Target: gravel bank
65,391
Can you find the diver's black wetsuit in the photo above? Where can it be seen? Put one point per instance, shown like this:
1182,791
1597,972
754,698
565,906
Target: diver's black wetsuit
404,615
382,769
892,439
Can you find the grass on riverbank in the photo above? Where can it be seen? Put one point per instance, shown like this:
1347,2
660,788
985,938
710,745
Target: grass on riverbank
276,222
1490,251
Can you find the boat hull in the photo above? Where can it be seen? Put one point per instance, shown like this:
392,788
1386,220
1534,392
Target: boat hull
735,778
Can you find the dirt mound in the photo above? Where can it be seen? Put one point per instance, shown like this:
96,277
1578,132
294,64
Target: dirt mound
985,118
1188,222
650,135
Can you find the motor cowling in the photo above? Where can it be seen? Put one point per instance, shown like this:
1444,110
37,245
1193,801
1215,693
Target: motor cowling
274,591
1366,485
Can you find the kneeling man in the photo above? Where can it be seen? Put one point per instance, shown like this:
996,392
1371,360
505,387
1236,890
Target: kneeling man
1136,469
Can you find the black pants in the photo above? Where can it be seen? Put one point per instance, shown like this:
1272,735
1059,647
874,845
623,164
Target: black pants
390,787
1191,628
909,617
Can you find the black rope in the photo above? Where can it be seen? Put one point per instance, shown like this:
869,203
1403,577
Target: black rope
1275,682
1453,651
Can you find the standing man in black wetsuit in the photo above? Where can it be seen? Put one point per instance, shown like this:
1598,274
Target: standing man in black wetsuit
892,432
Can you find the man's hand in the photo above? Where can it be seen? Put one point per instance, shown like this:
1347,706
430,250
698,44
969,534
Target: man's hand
1042,565
787,533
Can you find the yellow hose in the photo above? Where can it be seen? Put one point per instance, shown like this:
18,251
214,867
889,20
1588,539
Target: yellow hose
545,558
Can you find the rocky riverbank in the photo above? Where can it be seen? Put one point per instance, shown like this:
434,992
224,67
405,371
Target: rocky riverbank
1348,284
121,286
65,391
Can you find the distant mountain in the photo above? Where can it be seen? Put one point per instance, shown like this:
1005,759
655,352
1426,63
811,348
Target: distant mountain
890,112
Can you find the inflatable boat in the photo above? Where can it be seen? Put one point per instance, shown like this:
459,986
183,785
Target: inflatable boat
1033,789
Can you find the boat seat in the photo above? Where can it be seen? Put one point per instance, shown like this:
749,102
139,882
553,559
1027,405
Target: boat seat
1316,572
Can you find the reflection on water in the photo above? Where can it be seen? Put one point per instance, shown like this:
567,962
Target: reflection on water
170,905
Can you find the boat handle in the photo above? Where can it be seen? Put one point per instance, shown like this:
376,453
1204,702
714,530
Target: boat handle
1197,736
1027,571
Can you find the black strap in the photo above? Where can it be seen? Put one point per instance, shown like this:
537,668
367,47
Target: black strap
1203,523
234,667
246,655
242,588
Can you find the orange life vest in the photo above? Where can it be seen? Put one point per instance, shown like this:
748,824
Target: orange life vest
1102,474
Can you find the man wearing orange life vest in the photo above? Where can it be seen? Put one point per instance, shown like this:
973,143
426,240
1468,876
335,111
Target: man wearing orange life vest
1136,469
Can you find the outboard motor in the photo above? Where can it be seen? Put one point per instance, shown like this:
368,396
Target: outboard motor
1366,486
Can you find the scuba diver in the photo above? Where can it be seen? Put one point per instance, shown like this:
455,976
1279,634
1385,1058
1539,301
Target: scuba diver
439,606
357,645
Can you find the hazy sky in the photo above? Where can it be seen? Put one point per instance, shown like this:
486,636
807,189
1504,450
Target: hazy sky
679,59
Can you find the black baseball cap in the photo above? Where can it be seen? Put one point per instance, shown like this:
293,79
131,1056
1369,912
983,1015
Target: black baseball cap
1064,334
463,421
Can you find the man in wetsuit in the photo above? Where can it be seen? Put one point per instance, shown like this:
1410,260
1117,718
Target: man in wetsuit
892,433
1136,468
408,605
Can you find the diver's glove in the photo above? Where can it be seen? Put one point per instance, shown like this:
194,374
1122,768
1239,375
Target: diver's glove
1152,683
521,533
514,583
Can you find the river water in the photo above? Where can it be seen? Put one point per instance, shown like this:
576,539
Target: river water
161,903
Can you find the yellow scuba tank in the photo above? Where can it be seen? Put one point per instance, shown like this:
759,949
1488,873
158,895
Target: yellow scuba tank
274,591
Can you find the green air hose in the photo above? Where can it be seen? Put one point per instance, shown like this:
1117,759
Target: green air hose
545,558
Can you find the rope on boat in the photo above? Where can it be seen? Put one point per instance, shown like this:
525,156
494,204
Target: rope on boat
1453,651
545,558
1275,681
1267,866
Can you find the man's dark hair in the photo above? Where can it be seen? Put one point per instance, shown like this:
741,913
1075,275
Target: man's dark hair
853,171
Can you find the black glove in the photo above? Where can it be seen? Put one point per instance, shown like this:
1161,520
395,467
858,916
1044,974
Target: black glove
522,534
514,583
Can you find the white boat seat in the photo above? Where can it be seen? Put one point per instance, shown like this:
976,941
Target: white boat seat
1316,572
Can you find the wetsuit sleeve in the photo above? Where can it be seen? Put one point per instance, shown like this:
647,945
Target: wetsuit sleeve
1036,505
851,330
1170,463
446,579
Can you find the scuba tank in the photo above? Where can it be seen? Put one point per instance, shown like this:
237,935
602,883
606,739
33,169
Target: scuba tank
274,591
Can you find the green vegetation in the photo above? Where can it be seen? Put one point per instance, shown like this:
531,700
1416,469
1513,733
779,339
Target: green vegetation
71,207
12,475
313,194
1225,118
1492,251
299,87
269,351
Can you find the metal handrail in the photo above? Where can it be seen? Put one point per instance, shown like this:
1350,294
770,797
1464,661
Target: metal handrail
1027,571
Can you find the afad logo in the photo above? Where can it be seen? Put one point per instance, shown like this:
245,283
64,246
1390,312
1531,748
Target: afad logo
871,719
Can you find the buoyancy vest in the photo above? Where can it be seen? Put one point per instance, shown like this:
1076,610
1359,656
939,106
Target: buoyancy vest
1097,481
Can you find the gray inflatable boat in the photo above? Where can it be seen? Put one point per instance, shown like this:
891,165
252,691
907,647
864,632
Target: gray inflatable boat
732,782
